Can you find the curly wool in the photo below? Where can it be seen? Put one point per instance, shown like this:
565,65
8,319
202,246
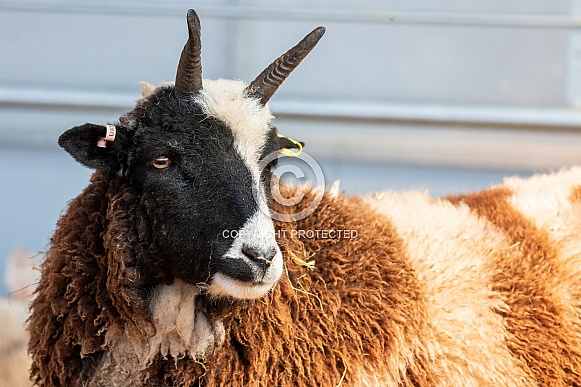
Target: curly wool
95,276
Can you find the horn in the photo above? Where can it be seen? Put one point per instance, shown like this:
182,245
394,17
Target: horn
189,74
264,86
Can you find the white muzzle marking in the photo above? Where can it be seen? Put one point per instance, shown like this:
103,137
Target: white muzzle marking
257,232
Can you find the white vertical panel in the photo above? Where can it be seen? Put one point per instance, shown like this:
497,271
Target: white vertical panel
573,79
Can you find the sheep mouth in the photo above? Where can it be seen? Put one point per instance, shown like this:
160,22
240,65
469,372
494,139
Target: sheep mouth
223,285
240,277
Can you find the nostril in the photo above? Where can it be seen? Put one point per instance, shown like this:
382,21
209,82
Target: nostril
259,256
250,252
269,256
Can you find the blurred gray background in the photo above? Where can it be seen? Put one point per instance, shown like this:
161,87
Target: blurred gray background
446,96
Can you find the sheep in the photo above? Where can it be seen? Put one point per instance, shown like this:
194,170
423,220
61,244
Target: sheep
141,286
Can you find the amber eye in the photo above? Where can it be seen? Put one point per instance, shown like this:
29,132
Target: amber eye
161,162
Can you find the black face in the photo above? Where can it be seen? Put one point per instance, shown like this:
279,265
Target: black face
194,185
199,188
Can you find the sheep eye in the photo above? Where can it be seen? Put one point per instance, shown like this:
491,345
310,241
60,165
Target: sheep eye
161,162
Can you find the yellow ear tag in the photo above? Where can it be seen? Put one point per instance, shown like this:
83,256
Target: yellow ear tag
288,152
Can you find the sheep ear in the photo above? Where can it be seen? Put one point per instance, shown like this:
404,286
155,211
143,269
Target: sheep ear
100,147
146,88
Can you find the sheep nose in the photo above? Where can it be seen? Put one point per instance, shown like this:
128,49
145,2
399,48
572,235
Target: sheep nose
262,258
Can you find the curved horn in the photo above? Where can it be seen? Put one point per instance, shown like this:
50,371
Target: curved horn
264,86
189,74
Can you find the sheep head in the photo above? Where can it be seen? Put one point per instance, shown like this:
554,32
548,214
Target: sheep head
193,151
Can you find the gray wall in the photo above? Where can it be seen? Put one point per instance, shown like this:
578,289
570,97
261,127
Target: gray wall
439,95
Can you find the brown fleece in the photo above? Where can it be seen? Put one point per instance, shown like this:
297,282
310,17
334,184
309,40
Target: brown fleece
540,333
93,277
65,310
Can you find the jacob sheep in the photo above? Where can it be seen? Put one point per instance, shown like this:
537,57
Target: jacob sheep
141,286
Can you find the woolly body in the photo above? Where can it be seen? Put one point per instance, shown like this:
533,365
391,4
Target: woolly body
431,292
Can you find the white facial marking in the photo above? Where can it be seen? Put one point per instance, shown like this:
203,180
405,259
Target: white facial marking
222,285
257,232
250,124
246,117
249,121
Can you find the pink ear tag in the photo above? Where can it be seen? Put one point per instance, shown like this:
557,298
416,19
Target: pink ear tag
109,136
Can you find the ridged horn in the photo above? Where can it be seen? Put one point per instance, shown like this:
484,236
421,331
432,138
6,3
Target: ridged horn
264,86
189,74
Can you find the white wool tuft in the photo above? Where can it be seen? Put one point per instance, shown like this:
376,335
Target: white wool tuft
335,189
180,330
